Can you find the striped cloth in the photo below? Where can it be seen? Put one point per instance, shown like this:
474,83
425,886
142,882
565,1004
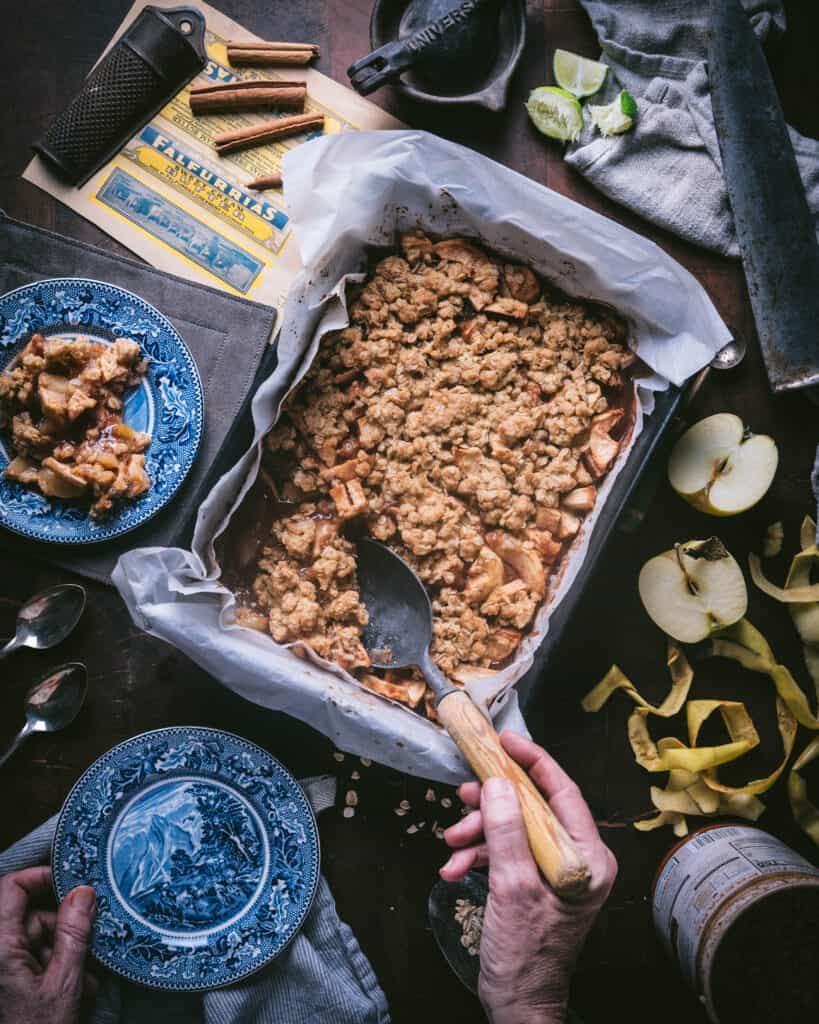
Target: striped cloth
322,977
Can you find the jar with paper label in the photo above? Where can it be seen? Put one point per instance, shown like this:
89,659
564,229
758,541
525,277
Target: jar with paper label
738,912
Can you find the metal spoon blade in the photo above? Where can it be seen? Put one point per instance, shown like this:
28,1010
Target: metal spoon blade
48,618
52,703
731,354
399,630
55,701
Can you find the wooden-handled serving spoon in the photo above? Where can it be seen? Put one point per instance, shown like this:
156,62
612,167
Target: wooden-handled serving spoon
399,634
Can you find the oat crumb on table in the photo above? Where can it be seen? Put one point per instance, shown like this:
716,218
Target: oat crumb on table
465,418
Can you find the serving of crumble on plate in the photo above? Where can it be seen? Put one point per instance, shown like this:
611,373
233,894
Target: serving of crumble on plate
101,411
466,418
62,401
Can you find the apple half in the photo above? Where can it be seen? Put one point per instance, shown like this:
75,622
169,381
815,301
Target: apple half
693,590
720,467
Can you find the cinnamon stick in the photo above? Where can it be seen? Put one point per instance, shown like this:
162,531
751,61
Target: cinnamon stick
270,58
267,131
234,44
215,99
265,182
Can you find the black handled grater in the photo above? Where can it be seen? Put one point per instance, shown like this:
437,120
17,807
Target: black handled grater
153,59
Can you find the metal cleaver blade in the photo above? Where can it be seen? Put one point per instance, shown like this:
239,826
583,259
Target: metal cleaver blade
774,226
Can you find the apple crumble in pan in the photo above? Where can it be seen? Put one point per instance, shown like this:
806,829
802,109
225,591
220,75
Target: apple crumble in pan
465,417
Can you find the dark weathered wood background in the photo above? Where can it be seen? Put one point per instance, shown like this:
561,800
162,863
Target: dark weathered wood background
380,875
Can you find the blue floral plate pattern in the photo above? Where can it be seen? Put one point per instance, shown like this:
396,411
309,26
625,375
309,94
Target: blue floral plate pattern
203,851
168,404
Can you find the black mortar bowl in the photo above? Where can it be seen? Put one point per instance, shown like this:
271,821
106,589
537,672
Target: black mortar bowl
490,93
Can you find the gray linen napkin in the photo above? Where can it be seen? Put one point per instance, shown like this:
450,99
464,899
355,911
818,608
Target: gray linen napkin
668,168
228,338
322,977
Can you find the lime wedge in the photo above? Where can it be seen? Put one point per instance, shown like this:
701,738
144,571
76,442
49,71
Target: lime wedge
578,75
555,112
617,117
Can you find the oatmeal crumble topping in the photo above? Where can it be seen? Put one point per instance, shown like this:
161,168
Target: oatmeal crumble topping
464,419
62,400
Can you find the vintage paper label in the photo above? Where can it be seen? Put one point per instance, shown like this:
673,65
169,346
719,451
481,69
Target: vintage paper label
169,197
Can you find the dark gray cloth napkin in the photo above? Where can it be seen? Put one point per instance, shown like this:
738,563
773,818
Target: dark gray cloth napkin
227,336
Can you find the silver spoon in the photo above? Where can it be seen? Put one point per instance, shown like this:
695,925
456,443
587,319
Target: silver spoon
53,703
47,618
729,356
732,354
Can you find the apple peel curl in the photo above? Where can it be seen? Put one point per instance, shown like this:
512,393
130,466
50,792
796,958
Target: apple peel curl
743,643
687,794
739,726
805,813
678,821
693,786
800,595
785,595
663,757
682,676
806,617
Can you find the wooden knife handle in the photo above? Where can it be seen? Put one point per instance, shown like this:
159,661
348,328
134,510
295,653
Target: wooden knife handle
555,853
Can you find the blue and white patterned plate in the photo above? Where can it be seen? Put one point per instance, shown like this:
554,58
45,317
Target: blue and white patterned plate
168,404
203,851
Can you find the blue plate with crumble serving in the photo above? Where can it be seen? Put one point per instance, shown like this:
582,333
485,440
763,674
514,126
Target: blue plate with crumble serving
203,851
167,404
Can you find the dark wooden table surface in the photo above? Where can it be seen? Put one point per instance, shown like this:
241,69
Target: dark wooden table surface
380,875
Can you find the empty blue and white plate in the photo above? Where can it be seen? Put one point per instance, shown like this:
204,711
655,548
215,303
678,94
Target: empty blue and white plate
168,404
203,851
